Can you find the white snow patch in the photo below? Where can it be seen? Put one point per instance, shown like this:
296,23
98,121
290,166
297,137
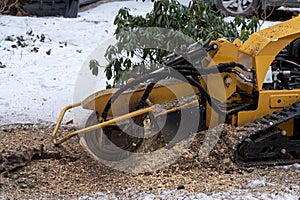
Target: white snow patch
255,183
238,194
296,166
35,86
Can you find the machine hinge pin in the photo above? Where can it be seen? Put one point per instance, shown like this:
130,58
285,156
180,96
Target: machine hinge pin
283,151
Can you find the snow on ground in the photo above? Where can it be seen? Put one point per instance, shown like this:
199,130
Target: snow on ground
46,75
35,86
237,194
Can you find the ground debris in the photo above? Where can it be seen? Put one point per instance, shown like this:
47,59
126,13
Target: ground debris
75,175
12,159
13,7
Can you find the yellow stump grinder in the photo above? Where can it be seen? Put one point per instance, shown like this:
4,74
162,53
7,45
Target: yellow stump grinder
254,85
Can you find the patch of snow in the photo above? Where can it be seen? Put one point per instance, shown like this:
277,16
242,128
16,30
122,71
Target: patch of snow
296,166
255,183
238,194
40,78
279,196
289,9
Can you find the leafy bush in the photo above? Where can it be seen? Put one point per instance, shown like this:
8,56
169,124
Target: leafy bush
198,20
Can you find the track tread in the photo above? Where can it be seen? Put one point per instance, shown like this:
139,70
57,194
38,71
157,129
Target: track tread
262,129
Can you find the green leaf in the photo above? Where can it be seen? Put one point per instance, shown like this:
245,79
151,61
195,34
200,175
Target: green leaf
108,71
94,64
32,185
108,86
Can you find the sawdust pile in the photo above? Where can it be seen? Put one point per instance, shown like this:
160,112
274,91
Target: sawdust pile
211,149
70,172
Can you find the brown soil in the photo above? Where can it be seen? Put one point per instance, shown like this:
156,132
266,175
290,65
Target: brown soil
74,173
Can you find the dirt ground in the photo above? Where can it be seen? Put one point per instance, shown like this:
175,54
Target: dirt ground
72,173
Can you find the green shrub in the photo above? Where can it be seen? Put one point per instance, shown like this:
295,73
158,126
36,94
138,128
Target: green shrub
197,21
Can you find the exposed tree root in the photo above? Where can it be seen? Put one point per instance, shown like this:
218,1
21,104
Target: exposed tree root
11,160
13,7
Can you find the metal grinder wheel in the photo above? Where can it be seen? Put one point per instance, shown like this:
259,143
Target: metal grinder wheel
111,143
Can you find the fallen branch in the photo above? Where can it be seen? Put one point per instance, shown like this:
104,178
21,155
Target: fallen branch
13,7
11,160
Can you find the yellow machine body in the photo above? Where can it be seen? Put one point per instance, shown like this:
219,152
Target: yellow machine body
257,52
